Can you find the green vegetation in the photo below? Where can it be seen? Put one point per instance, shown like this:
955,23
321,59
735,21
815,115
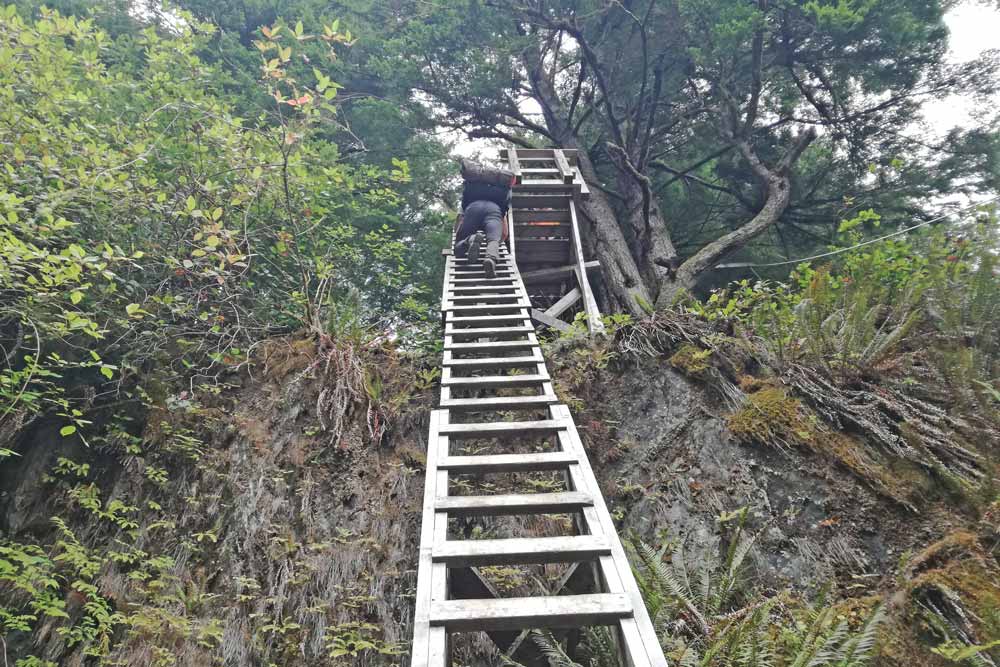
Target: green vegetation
220,227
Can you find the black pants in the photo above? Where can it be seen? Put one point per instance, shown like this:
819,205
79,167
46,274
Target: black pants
479,216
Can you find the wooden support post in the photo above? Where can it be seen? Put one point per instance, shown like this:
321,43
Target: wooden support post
594,322
548,320
560,306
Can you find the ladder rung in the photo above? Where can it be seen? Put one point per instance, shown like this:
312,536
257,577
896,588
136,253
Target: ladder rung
496,381
521,551
473,289
488,429
497,344
499,402
462,269
485,318
458,259
561,502
488,307
476,298
504,259
494,463
480,281
488,331
562,611
494,362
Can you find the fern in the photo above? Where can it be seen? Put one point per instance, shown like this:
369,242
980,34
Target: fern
552,649
758,634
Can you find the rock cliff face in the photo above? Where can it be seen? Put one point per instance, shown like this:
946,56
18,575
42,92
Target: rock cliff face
274,520
668,458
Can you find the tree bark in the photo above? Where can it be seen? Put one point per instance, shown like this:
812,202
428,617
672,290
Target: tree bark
651,244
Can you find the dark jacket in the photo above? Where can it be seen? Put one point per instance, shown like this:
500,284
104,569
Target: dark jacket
474,191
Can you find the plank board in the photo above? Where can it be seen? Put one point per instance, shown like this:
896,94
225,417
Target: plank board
519,201
565,611
495,429
542,215
499,403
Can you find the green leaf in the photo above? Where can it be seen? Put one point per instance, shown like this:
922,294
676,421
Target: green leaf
107,372
67,430
217,213
76,297
191,203
132,309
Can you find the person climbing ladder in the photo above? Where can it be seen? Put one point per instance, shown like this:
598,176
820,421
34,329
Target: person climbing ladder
485,201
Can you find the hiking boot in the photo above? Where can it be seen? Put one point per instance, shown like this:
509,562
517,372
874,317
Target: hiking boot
492,258
475,243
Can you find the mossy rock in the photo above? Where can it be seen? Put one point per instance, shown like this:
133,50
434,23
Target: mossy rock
691,360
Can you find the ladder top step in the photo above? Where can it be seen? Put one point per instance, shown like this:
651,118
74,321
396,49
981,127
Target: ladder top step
507,462
562,611
521,550
499,402
503,428
516,503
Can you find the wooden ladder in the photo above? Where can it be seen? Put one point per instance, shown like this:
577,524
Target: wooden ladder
488,332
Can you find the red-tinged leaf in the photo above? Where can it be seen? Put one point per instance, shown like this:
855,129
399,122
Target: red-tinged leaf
305,99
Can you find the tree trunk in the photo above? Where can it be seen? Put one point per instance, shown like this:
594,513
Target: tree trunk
651,245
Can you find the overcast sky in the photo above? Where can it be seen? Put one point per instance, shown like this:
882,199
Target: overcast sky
974,28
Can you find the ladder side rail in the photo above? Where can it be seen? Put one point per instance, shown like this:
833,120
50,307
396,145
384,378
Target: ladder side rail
618,560
514,164
511,241
567,174
426,650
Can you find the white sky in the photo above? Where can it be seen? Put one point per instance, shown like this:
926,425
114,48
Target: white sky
974,27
